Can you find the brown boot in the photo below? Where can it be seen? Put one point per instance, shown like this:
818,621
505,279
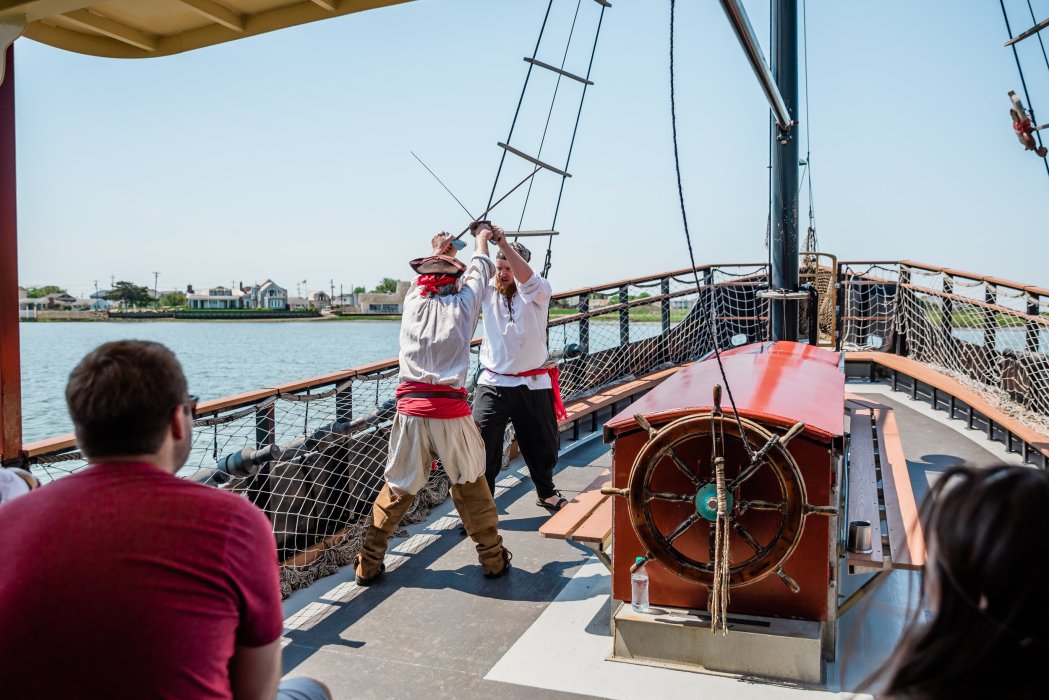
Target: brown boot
386,515
481,519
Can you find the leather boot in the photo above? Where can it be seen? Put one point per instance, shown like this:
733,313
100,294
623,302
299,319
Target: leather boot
386,515
481,519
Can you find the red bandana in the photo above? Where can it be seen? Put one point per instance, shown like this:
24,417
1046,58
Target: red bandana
431,284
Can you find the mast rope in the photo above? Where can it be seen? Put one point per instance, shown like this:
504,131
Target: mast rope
811,243
688,239
1039,35
1023,81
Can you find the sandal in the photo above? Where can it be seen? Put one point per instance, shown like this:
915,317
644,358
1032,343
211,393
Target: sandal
553,507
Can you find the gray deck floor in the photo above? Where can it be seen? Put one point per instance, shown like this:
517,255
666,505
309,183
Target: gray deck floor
434,627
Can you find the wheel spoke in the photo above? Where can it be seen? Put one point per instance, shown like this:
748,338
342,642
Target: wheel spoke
682,467
762,505
680,529
747,537
676,497
755,464
713,541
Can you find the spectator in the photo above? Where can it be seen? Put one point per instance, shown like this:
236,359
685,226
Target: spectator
988,625
124,581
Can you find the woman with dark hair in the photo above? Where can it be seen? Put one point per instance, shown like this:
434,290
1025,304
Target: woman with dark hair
988,538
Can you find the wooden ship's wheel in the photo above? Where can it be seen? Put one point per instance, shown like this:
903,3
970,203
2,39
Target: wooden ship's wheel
762,483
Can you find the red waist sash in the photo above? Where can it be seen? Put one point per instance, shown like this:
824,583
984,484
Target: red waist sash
454,406
555,384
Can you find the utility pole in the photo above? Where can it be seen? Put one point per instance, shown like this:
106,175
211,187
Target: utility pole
331,299
156,293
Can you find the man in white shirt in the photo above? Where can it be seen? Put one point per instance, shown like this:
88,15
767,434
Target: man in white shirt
433,417
517,383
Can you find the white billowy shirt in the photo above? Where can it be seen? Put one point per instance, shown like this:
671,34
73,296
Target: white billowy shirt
515,334
436,330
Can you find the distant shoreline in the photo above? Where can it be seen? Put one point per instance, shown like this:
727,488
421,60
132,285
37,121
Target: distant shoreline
223,319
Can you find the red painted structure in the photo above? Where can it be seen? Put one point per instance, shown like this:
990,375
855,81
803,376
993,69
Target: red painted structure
10,370
775,385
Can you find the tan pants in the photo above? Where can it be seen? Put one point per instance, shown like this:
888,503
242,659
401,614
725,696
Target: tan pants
415,442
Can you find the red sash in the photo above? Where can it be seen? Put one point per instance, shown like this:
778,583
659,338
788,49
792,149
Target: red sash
555,384
455,406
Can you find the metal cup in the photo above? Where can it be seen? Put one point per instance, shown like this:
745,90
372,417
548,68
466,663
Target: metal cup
859,537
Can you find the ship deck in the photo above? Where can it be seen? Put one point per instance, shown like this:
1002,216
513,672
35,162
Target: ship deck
434,627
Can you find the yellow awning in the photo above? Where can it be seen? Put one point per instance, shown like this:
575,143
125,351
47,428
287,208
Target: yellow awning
147,28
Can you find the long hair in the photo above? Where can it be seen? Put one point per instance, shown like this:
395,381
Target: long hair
988,537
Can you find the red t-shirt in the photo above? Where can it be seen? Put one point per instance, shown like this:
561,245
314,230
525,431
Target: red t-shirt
124,581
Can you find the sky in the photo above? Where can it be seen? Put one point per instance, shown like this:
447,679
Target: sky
287,155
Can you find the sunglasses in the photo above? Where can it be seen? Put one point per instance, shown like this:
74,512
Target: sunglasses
191,403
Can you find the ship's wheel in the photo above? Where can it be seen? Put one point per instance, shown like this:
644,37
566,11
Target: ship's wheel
672,493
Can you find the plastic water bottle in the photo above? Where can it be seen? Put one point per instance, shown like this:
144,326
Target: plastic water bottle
639,587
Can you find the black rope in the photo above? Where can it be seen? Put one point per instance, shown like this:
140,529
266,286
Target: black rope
571,144
688,240
550,112
1039,35
1023,82
808,121
520,100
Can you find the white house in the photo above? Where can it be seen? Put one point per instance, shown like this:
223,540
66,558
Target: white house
216,298
266,295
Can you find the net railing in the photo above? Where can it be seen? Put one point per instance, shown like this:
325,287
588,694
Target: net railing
311,454
990,335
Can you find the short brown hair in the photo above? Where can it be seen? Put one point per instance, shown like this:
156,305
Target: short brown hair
121,396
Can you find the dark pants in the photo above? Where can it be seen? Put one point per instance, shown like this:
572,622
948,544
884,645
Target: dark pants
532,413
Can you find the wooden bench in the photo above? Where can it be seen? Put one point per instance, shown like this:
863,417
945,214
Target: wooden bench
586,519
1032,441
878,491
610,396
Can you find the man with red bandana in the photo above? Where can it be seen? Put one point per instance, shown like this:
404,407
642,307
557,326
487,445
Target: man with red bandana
518,384
433,417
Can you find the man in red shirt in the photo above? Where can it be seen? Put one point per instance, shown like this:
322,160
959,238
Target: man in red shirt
123,580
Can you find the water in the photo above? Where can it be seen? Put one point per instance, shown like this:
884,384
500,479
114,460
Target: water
1004,338
219,358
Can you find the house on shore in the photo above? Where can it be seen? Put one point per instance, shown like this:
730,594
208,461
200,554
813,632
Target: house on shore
215,298
266,295
375,303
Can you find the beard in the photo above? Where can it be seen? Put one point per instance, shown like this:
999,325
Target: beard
507,290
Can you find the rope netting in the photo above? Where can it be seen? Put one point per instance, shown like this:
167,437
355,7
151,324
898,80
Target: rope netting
990,337
867,296
313,459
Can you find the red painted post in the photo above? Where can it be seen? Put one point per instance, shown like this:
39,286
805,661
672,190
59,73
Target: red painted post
10,371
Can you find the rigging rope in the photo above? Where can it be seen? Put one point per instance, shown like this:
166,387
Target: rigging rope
810,241
1023,81
688,238
1039,35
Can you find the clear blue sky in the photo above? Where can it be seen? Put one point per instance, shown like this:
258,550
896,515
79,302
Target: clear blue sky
287,155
